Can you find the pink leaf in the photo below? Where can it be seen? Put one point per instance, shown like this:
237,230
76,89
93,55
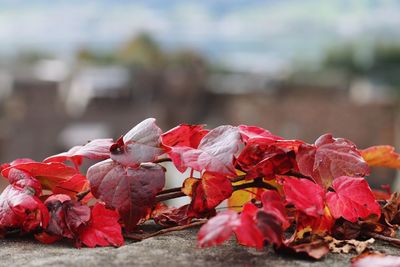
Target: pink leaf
218,229
97,149
252,132
141,144
215,152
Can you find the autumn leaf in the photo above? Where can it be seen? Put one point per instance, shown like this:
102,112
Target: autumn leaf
184,135
207,192
218,229
330,158
50,175
251,132
247,232
259,159
306,196
23,180
347,246
131,191
273,203
72,186
314,248
141,144
321,225
352,199
97,149
215,153
382,156
170,216
21,209
103,228
66,216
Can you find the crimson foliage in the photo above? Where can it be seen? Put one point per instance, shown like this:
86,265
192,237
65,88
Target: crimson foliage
304,192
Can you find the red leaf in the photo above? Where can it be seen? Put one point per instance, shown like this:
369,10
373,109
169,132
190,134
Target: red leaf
352,199
21,209
103,229
273,204
184,135
321,225
15,162
168,216
141,144
383,156
66,216
208,192
251,132
72,186
330,158
377,261
266,160
247,232
215,152
46,238
305,195
22,180
131,191
251,228
270,226
218,229
49,174
97,149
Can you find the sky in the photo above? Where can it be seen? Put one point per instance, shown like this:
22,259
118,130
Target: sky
252,34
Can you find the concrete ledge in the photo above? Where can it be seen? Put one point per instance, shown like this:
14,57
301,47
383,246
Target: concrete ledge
173,249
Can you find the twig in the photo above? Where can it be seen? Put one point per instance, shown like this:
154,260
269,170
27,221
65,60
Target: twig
298,175
171,190
393,241
168,196
258,182
238,178
176,192
140,237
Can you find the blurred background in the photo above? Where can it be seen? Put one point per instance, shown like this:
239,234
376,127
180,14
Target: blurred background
72,71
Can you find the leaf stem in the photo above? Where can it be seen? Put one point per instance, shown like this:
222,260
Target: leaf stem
82,194
162,160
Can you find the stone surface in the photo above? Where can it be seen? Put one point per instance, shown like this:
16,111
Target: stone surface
173,249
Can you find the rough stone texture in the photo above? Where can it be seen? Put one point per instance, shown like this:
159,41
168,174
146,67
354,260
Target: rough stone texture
173,249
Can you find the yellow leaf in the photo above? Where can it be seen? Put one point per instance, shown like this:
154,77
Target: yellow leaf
383,156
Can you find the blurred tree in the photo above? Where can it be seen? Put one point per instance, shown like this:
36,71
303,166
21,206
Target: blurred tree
380,62
33,55
89,56
141,51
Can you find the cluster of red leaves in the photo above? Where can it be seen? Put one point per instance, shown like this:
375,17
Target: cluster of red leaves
292,194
